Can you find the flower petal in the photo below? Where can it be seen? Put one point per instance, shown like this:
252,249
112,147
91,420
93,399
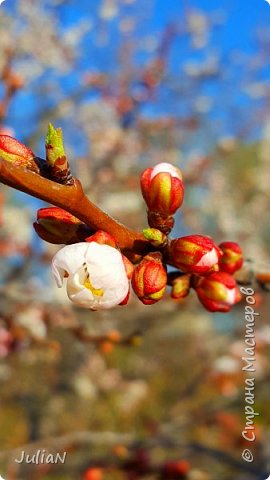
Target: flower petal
69,259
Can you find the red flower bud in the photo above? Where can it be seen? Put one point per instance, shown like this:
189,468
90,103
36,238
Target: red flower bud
218,292
55,225
162,188
103,238
15,152
149,279
232,259
195,254
180,287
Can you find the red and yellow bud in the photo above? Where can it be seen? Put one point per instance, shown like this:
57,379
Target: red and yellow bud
195,254
232,258
162,188
55,225
218,292
15,152
149,279
103,238
180,286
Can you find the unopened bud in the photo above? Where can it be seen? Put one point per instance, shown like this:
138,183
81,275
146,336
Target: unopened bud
56,157
218,292
103,238
149,279
232,258
155,237
180,286
195,254
162,188
55,225
15,152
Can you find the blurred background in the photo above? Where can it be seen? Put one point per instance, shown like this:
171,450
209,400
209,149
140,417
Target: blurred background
144,392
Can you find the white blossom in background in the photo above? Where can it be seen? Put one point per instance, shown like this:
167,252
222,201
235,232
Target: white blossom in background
95,275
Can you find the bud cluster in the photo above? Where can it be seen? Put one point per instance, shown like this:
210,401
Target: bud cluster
208,269
97,274
202,265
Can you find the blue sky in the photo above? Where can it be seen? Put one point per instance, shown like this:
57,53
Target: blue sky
243,19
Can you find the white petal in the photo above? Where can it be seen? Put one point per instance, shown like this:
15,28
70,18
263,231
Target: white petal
69,259
102,265
231,295
83,298
209,259
107,271
166,168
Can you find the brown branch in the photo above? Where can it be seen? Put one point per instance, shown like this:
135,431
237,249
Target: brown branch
73,199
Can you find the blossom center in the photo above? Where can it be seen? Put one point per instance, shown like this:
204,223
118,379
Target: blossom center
87,284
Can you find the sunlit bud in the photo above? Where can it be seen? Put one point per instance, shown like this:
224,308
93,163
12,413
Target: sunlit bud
218,292
93,473
232,259
162,188
149,279
195,254
15,152
55,225
96,275
155,237
180,286
56,157
103,238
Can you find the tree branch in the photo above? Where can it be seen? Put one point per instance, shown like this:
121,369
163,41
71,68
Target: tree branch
73,199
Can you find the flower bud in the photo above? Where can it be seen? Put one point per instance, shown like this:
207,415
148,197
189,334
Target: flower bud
232,258
56,157
218,292
55,225
195,254
180,286
103,238
149,279
155,237
162,188
15,152
96,275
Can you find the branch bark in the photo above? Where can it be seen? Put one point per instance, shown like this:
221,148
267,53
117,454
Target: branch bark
73,199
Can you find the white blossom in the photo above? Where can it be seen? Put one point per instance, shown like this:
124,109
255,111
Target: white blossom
95,275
